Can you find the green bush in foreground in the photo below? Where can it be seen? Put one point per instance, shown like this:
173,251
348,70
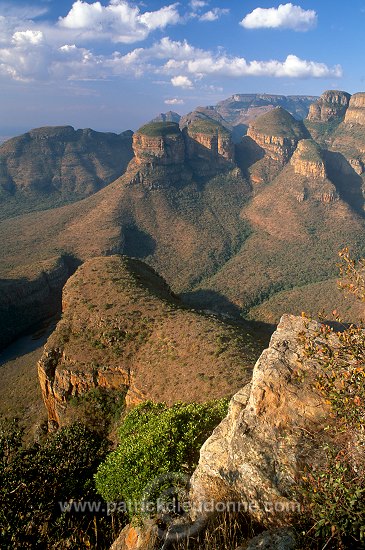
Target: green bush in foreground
156,440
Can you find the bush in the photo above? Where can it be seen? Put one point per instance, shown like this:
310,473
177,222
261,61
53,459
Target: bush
156,440
34,481
334,495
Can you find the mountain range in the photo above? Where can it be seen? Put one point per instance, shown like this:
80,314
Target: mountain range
250,227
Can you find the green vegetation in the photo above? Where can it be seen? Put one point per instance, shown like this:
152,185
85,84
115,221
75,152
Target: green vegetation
334,494
278,122
97,409
159,129
205,126
34,481
310,151
156,440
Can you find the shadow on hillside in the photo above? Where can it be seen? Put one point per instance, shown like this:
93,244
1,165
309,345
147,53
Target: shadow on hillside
346,180
247,153
219,304
137,243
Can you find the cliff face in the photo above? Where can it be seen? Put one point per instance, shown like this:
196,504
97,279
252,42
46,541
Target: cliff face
257,453
277,133
160,150
123,330
307,160
26,301
355,113
332,105
164,155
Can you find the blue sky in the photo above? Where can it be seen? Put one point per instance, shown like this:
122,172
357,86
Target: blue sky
114,64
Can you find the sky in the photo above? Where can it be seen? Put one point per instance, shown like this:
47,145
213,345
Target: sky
112,65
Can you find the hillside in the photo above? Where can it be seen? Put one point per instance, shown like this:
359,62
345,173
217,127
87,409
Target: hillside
50,166
123,330
229,227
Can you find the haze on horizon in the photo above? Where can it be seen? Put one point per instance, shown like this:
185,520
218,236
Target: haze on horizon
114,64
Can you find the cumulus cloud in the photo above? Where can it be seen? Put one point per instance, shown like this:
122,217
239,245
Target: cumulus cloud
222,65
119,20
174,101
181,81
286,16
28,37
214,14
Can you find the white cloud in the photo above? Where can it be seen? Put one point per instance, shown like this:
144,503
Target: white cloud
292,67
286,16
28,37
198,4
214,14
181,81
119,21
174,101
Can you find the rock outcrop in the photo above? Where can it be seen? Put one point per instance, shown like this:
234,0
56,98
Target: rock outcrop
257,453
123,330
159,143
307,160
355,113
278,133
332,105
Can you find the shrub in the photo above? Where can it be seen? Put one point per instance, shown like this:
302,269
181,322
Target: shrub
156,440
34,481
334,495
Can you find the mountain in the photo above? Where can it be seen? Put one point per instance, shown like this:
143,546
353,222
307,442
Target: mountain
170,116
123,330
251,228
54,165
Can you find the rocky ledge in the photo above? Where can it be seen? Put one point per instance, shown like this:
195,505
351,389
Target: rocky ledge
277,133
307,160
257,453
332,105
355,113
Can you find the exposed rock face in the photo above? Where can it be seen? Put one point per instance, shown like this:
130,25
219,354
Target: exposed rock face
332,105
63,160
160,144
258,451
123,330
356,111
159,150
278,133
170,116
162,152
26,301
307,160
209,141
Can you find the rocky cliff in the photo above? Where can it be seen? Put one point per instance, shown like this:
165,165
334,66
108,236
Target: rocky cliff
61,164
332,105
256,455
123,330
307,160
277,133
355,113
31,298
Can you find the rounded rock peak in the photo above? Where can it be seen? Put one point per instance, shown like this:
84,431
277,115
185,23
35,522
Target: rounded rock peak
279,123
159,129
332,105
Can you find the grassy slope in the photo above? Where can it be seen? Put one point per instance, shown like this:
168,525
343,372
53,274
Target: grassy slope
120,314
